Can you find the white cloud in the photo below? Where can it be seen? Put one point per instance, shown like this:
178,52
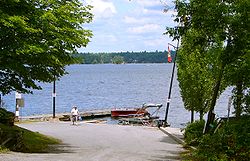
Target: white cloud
155,7
133,20
111,38
152,12
171,12
148,2
148,28
102,8
124,25
104,38
156,42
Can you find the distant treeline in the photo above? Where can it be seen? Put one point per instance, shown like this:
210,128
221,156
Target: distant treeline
124,57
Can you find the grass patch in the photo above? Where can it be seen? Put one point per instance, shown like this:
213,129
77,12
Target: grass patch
22,140
36,142
3,150
27,121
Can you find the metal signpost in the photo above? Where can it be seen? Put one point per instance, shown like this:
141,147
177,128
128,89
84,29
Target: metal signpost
19,103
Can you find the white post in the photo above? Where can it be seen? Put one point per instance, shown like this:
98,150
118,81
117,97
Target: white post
18,96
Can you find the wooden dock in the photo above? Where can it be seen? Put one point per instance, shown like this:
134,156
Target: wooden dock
66,116
88,115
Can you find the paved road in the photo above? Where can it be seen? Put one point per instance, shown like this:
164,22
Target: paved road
102,142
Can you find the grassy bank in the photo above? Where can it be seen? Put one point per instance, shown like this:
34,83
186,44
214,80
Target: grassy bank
14,138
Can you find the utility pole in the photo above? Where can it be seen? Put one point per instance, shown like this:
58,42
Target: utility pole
0,101
54,99
171,84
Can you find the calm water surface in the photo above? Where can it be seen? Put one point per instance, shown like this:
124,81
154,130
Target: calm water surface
106,86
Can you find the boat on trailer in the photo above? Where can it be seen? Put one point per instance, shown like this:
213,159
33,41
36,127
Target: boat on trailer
130,112
127,112
145,119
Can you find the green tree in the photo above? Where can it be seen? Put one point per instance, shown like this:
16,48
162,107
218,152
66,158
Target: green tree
37,40
223,24
194,74
238,76
117,60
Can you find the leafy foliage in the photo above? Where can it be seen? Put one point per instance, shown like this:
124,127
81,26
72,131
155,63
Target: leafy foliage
118,60
37,39
195,73
231,142
194,132
224,34
238,76
6,117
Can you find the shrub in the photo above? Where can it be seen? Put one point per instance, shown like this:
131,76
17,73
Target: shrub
230,142
193,132
6,117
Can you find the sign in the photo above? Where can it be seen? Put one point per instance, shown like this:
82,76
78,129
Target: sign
18,95
20,102
17,113
53,94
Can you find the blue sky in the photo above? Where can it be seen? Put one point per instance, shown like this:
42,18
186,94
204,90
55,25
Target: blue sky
123,25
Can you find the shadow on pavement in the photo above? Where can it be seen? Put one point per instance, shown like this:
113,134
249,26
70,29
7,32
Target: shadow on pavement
170,156
167,139
61,148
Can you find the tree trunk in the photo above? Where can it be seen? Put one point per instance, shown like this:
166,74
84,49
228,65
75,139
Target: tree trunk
192,116
239,97
0,101
210,116
201,115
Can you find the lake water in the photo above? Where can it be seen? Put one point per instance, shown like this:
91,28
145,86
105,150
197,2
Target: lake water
106,86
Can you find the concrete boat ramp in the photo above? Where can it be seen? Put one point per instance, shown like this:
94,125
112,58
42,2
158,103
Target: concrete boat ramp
102,142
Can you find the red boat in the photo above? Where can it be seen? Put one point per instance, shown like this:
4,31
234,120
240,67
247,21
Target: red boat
126,112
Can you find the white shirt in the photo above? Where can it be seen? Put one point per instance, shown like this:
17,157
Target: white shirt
74,111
